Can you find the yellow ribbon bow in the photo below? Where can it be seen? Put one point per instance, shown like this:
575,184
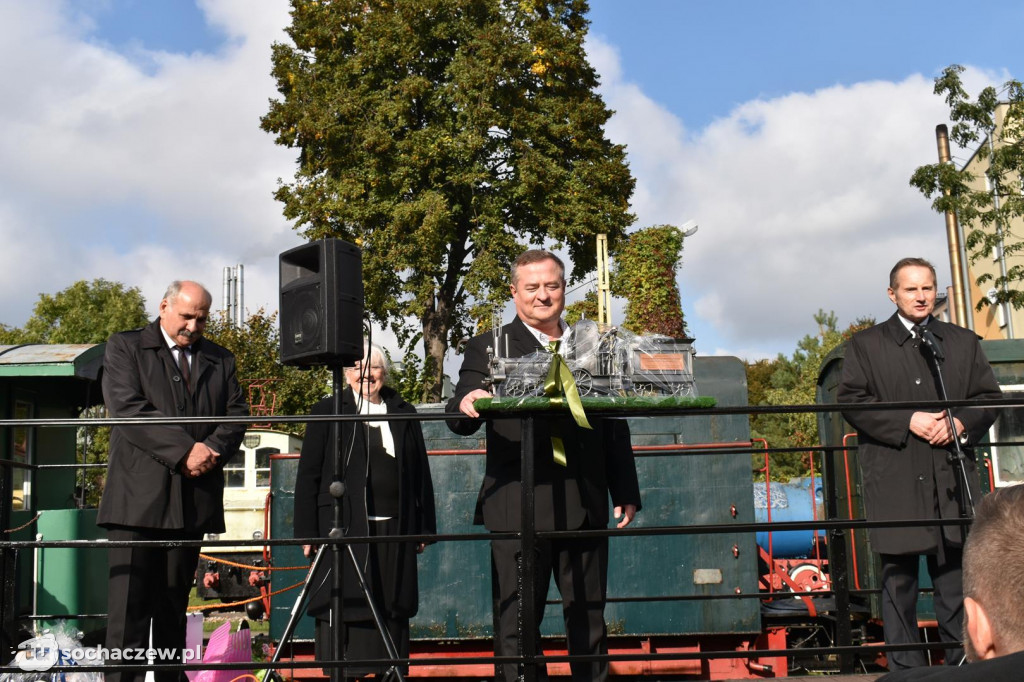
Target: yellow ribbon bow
558,385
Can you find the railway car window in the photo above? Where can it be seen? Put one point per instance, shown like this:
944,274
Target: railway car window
22,450
263,465
1008,460
234,471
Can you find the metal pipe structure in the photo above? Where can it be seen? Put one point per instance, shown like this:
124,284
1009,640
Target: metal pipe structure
961,311
240,298
233,294
226,291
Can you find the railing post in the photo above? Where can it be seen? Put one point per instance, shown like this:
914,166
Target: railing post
8,558
837,564
528,557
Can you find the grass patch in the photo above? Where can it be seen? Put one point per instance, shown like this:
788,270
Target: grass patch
214,618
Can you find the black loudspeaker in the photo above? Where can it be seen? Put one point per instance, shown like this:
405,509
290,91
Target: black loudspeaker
322,304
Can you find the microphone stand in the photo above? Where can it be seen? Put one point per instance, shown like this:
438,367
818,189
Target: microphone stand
957,456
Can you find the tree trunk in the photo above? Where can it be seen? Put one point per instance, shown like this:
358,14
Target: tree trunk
435,345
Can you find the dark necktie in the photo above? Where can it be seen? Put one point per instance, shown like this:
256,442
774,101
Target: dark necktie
186,374
918,334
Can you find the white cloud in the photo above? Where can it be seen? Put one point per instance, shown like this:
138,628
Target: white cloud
150,166
803,201
140,168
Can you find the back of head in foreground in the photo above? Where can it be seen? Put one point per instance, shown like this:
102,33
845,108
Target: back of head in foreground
993,576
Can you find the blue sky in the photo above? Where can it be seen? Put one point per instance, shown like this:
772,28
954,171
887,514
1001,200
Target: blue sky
701,59
788,130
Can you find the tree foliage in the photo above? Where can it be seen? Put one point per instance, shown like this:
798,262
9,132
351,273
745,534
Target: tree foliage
444,136
989,216
410,376
793,381
645,275
586,307
281,389
85,312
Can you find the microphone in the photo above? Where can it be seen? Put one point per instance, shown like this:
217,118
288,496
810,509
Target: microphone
932,343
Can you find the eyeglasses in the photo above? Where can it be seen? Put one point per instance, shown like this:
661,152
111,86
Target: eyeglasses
359,368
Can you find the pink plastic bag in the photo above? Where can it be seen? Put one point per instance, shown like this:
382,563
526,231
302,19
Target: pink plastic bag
227,647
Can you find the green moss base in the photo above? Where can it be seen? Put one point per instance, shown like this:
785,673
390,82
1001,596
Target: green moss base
624,404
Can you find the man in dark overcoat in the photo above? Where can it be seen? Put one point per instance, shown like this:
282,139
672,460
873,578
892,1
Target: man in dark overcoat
164,481
569,497
906,454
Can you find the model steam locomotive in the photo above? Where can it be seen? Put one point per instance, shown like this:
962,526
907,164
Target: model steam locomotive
608,362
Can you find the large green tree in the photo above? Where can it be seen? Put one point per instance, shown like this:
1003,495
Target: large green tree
444,136
989,214
85,312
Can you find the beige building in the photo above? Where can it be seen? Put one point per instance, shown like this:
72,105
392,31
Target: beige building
992,321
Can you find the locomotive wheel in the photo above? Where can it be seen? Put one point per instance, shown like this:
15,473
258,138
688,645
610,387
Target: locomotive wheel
515,388
807,577
584,381
643,388
683,390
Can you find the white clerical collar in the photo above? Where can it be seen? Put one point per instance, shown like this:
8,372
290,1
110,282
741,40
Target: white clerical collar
910,325
542,338
365,407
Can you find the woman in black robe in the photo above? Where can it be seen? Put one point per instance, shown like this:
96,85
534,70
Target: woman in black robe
388,491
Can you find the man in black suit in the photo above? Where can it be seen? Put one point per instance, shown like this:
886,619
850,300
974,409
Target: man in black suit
994,600
573,496
906,455
164,481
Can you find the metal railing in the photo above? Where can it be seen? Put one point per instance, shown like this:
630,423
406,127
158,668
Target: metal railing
844,648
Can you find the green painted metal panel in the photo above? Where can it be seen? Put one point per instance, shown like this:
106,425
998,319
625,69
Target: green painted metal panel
688,489
1001,351
282,492
71,580
454,577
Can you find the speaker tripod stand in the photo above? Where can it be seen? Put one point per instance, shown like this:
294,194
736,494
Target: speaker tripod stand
339,531
393,673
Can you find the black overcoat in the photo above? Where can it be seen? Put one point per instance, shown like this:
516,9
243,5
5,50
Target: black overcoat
314,506
144,486
598,461
903,476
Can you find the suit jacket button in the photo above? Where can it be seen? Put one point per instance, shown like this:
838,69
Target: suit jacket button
916,381
178,378
180,407
920,477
